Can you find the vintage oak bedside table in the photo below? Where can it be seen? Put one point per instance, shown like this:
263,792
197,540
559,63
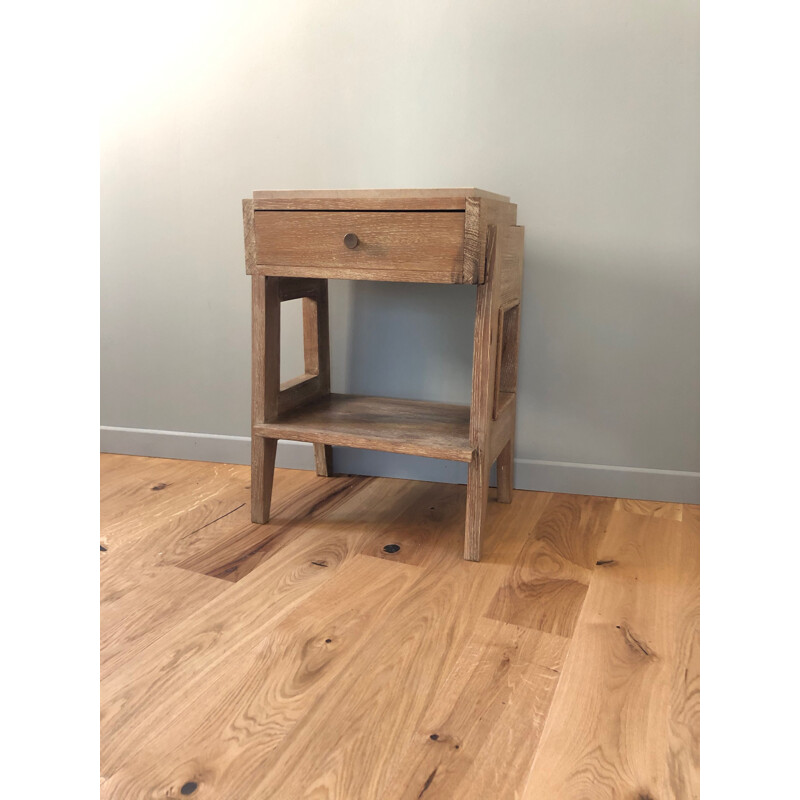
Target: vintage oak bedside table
296,241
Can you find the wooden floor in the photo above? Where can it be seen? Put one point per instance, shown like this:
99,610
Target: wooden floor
300,659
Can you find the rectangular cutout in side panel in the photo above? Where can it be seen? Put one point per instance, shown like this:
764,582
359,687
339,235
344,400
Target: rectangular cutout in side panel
505,379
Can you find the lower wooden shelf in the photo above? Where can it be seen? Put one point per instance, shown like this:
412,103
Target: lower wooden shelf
416,427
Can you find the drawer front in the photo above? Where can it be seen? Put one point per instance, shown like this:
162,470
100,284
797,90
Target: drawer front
421,246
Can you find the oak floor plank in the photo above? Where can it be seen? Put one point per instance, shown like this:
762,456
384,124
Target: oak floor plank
160,600
365,714
651,508
508,525
479,736
161,489
240,545
691,516
430,534
208,536
257,696
118,472
432,537
624,721
547,583
136,702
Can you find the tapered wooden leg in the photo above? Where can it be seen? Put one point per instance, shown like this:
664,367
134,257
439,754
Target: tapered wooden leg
477,499
266,386
262,470
323,458
505,473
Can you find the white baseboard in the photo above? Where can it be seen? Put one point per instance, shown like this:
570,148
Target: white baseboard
547,476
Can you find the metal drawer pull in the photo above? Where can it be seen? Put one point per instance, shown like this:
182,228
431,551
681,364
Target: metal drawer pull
351,241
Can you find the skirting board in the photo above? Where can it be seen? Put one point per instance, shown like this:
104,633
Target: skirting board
543,476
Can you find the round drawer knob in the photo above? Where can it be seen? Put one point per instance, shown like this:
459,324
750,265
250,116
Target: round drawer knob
351,241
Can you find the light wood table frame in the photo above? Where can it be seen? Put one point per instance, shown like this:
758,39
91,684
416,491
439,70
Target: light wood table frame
296,241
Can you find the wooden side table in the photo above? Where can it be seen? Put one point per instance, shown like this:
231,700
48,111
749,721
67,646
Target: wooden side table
296,241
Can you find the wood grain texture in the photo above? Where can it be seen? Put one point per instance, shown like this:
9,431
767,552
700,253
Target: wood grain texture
265,387
505,380
480,213
237,548
324,666
371,199
548,581
274,685
625,719
323,460
271,398
417,427
364,204
504,253
503,681
505,472
474,242
249,236
501,430
168,680
258,384
138,493
366,273
317,355
477,498
158,602
650,508
298,391
311,244
359,723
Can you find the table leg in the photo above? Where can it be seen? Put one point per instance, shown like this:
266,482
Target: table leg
266,334
505,472
323,459
477,499
262,470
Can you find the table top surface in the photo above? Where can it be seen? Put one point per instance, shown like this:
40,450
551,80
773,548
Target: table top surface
383,194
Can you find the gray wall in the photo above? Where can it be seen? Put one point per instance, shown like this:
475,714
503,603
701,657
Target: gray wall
584,112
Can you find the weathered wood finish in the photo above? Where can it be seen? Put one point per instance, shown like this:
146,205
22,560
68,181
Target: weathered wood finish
302,660
503,286
505,472
480,213
294,242
311,244
505,380
371,199
265,389
421,196
626,716
249,236
271,398
317,356
416,427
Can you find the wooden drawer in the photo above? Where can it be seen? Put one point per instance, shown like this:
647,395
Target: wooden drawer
417,236
419,246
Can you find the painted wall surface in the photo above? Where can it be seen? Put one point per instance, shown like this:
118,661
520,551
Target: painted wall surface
585,113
